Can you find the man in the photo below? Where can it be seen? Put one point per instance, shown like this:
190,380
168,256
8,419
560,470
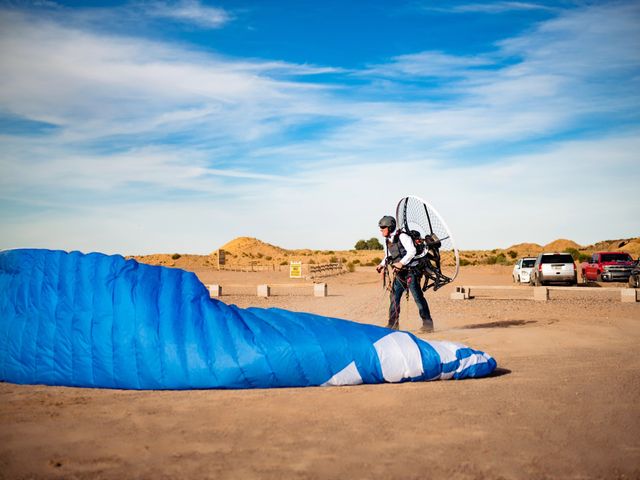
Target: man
399,253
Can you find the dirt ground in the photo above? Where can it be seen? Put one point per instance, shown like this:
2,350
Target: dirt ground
565,402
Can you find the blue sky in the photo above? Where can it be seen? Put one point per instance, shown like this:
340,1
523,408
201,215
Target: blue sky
176,126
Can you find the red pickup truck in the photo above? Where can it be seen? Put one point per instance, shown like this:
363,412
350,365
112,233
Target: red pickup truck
607,266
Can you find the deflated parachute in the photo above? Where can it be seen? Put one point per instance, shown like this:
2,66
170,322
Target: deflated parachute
103,321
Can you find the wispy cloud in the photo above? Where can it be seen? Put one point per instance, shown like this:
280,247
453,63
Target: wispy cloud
489,7
189,12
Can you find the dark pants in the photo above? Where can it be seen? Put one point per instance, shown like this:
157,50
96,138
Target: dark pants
408,279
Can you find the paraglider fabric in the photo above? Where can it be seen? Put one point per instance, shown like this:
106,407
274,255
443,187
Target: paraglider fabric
93,320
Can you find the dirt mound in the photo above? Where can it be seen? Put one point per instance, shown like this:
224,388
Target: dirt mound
629,245
252,247
526,249
561,245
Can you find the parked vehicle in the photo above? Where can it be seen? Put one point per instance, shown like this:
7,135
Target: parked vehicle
634,277
522,269
607,266
554,267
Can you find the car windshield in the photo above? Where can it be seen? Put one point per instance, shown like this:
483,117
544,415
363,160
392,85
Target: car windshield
557,258
528,263
616,257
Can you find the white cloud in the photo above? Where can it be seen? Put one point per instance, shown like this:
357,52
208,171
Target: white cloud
188,11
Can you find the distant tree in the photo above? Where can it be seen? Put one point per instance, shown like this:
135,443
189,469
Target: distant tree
371,244
361,245
374,244
176,256
512,253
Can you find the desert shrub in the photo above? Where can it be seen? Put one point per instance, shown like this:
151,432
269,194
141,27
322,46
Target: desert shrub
333,260
312,262
583,257
494,250
491,260
356,261
176,256
376,260
268,258
329,252
284,262
512,253
464,262
573,251
259,255
370,264
351,267
343,260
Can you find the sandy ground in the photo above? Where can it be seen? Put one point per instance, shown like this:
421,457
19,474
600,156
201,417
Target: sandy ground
565,403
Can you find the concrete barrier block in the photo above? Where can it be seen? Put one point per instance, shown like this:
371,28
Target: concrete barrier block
629,295
458,296
540,294
215,290
320,290
264,290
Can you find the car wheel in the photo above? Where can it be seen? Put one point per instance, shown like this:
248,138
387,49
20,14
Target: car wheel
634,281
599,278
538,282
584,277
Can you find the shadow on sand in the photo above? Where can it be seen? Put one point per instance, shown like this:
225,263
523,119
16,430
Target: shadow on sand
499,371
500,324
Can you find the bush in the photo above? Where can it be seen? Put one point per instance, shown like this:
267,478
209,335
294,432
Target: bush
268,258
499,259
583,257
464,262
512,253
376,260
312,262
573,251
284,262
351,267
176,256
356,261
333,260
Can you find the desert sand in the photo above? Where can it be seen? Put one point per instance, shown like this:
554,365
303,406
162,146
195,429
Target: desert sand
565,402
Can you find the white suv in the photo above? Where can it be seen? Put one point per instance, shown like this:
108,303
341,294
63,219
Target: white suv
522,269
554,267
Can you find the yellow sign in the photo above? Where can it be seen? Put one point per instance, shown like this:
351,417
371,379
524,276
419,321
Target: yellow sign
295,270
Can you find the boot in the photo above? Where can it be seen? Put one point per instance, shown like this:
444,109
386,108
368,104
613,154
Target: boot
427,326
